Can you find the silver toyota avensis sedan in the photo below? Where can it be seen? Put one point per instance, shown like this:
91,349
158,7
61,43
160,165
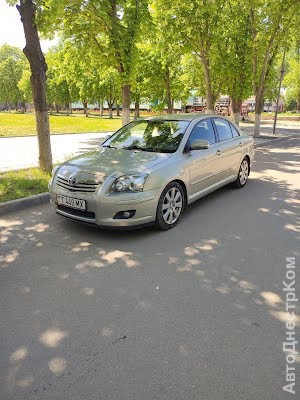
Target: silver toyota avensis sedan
150,170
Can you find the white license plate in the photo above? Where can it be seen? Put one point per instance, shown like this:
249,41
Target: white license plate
71,202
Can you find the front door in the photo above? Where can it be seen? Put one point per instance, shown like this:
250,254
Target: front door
204,164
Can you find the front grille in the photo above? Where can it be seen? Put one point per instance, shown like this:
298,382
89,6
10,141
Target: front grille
81,186
78,213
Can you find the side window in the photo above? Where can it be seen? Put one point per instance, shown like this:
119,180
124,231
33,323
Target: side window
235,132
223,129
203,130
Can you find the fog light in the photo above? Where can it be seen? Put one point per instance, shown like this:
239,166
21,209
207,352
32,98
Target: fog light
125,214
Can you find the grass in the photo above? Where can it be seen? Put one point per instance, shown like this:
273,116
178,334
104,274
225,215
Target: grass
14,124
280,114
22,183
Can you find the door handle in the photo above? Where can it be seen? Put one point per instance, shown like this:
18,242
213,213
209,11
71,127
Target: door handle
218,153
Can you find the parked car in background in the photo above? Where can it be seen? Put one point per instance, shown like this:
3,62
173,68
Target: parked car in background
150,170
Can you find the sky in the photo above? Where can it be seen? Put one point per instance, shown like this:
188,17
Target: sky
11,28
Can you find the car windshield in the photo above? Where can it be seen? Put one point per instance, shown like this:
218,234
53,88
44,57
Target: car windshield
157,135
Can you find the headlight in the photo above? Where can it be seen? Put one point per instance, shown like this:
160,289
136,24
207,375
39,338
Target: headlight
129,183
54,170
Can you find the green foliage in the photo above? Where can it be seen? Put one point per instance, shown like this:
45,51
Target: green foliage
57,85
12,63
273,24
164,48
292,79
25,86
110,29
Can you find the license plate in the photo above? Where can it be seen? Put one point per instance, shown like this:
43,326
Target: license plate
71,202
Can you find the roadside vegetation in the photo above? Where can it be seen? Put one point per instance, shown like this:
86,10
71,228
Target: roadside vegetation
14,124
22,183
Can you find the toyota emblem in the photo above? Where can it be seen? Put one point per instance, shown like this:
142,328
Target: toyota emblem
72,180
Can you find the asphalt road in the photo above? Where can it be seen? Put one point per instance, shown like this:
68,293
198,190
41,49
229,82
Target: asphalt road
22,152
193,313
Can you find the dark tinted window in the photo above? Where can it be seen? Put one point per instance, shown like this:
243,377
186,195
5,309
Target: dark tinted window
203,130
235,132
223,129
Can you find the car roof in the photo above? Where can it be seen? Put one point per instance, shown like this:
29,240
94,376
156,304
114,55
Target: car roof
180,117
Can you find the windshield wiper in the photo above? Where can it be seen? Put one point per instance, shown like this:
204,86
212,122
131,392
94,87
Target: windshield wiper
109,146
135,147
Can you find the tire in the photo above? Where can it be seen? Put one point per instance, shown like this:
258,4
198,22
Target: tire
170,206
243,174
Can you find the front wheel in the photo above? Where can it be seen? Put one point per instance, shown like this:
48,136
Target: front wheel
243,174
170,206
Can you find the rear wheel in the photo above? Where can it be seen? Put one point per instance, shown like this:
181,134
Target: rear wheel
243,174
170,206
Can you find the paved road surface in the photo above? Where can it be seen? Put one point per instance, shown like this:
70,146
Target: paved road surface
193,313
22,152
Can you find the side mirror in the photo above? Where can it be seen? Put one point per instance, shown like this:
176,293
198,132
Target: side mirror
200,144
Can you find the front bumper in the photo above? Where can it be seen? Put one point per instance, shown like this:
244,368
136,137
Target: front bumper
103,206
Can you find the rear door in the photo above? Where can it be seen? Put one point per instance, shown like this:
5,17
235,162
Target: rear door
230,146
204,168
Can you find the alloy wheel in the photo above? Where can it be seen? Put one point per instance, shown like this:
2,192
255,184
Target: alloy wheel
172,205
244,172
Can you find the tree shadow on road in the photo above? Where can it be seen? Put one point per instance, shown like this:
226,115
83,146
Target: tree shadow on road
74,293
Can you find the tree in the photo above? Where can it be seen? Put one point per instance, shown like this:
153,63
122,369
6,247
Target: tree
110,27
196,26
272,24
292,79
58,91
25,87
108,87
12,62
235,50
38,68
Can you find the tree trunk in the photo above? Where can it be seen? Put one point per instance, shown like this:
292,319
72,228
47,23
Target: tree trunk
57,108
85,109
236,105
136,109
168,92
125,104
38,68
259,104
298,103
101,108
210,101
67,106
110,110
118,110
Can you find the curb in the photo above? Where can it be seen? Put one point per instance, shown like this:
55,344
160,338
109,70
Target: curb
276,140
25,202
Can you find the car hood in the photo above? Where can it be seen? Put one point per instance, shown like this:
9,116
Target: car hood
106,162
